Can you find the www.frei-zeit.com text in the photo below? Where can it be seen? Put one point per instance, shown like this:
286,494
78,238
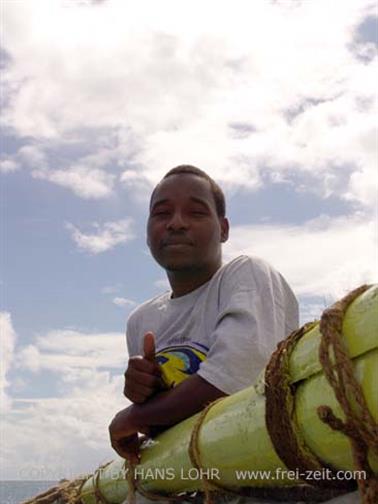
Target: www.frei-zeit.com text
279,474
194,474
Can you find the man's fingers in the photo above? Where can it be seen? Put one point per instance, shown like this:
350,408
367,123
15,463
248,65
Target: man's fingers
139,378
140,386
139,393
128,448
144,365
149,346
143,374
136,389
135,398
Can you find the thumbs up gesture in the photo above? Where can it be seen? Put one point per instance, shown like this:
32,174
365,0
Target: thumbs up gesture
143,376
149,346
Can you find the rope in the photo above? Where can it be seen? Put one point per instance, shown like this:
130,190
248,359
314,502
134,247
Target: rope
134,486
46,497
194,450
131,482
296,493
359,425
209,487
67,492
99,496
280,415
195,457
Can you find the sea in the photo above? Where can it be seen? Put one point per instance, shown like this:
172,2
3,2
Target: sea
16,492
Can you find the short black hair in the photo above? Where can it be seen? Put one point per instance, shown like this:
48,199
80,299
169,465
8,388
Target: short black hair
218,195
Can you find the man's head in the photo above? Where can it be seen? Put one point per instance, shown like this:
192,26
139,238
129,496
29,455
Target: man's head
219,199
187,223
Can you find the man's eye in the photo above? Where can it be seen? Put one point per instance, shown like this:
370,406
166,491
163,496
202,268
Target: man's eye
198,212
160,213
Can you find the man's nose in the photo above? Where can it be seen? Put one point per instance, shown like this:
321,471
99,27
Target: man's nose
177,222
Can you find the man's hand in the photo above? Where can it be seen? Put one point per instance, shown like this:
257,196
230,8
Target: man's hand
161,411
123,432
142,377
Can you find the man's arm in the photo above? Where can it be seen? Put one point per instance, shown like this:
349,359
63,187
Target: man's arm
183,401
166,409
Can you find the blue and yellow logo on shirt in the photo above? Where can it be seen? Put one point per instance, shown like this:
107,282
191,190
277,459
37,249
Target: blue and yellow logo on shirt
179,362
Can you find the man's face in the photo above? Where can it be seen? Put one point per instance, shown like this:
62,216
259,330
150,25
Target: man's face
184,231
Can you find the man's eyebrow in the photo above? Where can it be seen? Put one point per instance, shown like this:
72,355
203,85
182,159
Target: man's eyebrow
199,200
192,198
159,202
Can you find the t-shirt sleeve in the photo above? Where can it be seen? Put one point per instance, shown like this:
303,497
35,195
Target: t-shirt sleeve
247,331
132,342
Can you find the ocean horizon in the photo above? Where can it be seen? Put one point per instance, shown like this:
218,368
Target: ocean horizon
17,491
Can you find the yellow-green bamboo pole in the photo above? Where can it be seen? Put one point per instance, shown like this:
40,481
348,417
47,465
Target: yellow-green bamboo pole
234,437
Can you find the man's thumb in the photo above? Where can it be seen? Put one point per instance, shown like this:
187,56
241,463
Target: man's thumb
149,346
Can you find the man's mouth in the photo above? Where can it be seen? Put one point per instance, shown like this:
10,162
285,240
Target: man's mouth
176,243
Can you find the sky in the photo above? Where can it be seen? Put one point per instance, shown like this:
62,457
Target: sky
274,99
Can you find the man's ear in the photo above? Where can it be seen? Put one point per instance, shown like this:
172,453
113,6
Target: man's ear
224,229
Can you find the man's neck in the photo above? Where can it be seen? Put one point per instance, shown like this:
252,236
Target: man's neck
183,282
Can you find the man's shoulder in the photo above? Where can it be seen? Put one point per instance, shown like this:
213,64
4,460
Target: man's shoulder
253,273
247,265
147,307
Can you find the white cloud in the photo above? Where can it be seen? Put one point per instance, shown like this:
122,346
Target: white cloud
140,185
310,311
174,85
8,342
74,421
67,350
83,181
162,284
33,156
75,424
257,92
86,176
323,257
123,302
108,235
8,165
30,357
111,289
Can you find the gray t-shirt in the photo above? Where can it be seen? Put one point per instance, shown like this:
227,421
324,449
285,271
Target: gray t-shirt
225,330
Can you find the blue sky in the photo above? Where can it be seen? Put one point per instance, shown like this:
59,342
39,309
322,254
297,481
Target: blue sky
275,100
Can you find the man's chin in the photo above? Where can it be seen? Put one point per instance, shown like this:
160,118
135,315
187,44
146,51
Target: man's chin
175,266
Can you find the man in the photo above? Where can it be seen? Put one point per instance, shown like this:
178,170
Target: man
217,328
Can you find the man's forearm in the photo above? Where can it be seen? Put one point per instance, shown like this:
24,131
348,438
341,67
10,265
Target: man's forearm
174,405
